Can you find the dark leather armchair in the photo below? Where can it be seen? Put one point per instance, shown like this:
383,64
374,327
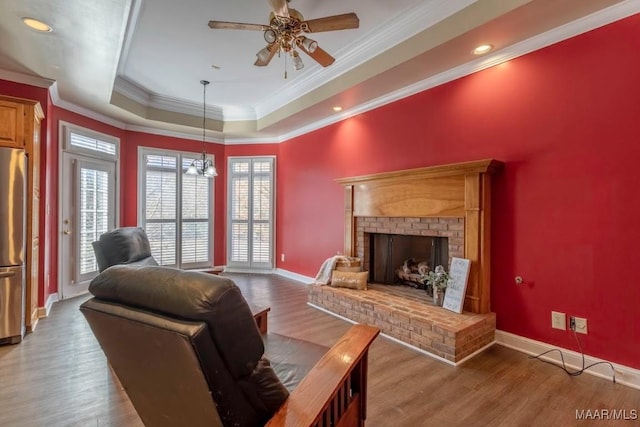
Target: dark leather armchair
187,350
126,245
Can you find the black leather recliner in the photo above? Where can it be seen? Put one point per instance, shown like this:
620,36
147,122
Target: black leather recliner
125,245
187,350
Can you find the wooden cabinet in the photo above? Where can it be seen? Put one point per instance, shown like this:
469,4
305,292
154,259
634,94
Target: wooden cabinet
11,123
20,128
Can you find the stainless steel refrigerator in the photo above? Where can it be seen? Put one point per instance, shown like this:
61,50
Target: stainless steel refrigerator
13,185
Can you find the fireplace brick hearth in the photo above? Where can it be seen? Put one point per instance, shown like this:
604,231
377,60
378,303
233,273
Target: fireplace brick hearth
408,315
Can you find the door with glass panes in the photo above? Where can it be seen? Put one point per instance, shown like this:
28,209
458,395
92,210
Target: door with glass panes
250,239
88,204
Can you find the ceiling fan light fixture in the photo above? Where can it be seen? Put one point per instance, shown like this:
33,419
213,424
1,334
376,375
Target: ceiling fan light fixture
297,61
270,36
263,54
309,45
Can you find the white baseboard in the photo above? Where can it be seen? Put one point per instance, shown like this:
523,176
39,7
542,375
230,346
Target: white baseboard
44,311
295,276
250,270
573,360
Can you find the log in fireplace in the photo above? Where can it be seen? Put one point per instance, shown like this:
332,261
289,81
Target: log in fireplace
403,259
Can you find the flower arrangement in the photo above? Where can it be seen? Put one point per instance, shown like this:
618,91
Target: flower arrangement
437,278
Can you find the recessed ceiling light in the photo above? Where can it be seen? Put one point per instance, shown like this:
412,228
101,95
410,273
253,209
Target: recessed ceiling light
37,25
482,49
337,108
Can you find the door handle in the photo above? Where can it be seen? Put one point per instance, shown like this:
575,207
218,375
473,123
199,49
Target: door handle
7,274
67,232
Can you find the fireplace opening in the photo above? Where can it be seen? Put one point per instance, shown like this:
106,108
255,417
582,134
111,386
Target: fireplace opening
397,259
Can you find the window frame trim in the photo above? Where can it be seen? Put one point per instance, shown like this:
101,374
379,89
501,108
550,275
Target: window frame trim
249,265
67,128
141,205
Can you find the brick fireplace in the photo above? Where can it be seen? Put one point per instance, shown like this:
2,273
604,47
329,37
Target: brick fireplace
451,201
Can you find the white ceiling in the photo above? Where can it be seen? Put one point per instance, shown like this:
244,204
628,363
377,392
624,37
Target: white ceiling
137,64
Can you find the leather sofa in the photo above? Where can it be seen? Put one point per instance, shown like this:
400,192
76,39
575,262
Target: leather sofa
187,350
126,245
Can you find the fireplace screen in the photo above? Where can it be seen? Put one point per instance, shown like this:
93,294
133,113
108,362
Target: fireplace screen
402,259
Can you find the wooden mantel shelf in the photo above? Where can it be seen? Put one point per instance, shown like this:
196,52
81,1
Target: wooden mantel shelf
475,167
457,190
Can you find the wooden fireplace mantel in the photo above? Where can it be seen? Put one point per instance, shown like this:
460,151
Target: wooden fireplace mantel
461,190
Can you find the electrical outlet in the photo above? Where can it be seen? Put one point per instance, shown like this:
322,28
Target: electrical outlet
578,324
282,257
558,320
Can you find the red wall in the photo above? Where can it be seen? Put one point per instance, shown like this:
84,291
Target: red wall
565,209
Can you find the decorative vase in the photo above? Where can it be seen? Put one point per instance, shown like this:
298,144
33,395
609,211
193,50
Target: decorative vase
438,296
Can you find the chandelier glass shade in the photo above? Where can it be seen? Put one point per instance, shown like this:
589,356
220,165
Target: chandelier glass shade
203,166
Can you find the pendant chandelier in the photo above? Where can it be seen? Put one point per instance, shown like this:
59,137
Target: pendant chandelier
203,166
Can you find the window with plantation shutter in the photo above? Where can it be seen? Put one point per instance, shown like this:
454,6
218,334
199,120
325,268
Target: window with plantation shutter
250,200
175,209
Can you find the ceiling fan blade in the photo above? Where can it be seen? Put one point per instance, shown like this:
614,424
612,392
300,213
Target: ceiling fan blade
280,7
320,56
222,25
332,23
266,57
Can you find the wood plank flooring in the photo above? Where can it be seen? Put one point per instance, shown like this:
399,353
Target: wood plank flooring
58,376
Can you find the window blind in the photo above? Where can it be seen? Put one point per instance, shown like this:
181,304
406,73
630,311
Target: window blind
250,200
176,211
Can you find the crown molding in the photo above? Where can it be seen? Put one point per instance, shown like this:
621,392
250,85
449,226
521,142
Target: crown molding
174,134
127,88
136,93
251,140
127,37
86,112
26,79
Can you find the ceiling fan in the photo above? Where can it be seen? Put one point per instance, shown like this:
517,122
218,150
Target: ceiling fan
286,33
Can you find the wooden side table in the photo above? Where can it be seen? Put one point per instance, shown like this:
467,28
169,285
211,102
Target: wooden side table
260,314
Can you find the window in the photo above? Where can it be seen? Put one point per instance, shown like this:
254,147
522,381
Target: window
80,142
250,192
175,209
